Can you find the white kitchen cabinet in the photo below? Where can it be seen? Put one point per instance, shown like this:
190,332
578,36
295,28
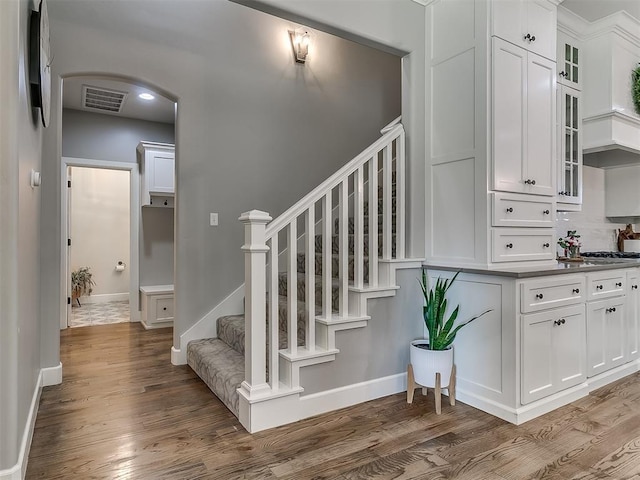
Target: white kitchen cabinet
530,24
606,284
552,292
553,351
157,171
569,61
633,315
606,340
523,121
513,210
570,148
491,131
519,244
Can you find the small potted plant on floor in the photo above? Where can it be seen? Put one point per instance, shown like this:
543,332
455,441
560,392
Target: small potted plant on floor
81,283
435,354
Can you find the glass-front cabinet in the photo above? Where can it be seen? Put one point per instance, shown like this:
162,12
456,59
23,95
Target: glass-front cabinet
569,61
570,149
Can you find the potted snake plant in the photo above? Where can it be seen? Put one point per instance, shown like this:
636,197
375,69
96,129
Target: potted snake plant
435,354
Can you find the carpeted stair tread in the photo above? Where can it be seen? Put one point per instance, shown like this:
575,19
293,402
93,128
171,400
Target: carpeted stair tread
220,367
302,288
231,328
335,243
351,224
335,265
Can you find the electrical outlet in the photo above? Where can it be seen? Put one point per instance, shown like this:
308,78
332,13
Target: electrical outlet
213,219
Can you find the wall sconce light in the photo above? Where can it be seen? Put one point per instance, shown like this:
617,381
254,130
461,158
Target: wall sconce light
300,45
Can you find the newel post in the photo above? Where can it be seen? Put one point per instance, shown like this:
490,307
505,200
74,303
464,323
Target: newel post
255,278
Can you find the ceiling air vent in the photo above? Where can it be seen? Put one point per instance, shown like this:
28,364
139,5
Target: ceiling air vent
105,100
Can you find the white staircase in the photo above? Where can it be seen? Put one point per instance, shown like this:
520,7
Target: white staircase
312,270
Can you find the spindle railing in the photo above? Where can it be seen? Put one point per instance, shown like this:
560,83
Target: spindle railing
272,256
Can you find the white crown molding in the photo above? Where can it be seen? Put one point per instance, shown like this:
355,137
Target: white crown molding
571,23
424,3
620,23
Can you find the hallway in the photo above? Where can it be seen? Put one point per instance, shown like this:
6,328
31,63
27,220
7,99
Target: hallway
124,412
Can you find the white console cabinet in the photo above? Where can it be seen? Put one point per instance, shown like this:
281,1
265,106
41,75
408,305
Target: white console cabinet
157,169
548,340
157,306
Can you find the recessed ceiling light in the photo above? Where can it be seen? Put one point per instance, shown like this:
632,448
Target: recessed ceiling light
146,96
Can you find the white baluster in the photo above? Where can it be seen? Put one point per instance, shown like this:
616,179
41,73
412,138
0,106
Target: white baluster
400,197
327,254
274,321
343,251
373,221
358,231
310,277
387,217
255,254
292,288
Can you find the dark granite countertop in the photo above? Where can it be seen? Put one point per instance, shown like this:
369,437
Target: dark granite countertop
559,268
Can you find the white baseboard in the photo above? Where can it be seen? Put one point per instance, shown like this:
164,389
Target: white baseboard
104,298
52,375
206,326
322,402
19,470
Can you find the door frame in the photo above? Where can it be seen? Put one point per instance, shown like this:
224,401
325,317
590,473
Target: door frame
134,225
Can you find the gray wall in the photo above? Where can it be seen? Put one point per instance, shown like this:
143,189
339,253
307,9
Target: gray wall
254,130
395,321
105,137
20,151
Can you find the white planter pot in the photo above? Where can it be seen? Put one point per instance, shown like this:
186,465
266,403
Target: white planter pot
426,363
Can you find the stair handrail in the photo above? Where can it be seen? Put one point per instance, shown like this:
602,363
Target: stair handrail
321,190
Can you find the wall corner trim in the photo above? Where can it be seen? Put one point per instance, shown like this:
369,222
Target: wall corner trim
177,357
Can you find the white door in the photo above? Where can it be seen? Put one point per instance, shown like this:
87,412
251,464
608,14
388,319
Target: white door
633,315
606,343
570,339
538,330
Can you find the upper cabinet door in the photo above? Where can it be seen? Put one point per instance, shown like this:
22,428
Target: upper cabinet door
542,21
509,117
530,24
569,60
541,121
523,123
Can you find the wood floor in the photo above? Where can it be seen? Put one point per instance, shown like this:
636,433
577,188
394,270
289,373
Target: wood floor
124,412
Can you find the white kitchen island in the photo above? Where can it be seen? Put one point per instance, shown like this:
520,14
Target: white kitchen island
554,333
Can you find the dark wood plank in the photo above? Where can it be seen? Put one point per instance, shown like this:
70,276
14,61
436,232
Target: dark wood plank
124,412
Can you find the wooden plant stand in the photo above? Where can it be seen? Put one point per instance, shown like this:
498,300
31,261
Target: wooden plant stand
412,385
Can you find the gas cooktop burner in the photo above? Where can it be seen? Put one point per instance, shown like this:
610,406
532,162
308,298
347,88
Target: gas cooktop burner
611,254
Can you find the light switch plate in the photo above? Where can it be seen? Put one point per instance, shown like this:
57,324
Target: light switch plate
213,219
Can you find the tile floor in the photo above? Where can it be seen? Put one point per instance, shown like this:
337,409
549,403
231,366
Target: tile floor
99,314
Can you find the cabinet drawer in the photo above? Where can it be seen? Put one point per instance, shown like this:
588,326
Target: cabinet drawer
164,308
563,290
509,210
514,245
607,284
